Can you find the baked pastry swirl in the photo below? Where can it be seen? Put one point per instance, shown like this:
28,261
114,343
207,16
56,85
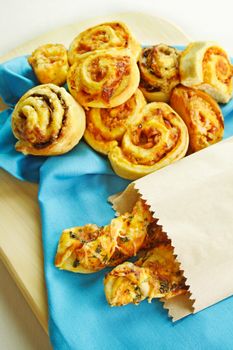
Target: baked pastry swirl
159,68
155,275
47,121
103,37
91,248
201,114
106,126
156,138
206,66
50,63
103,79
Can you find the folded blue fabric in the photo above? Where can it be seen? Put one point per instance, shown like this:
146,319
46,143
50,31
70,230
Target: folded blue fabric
73,191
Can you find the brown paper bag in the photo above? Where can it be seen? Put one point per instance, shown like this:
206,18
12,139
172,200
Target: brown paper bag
193,200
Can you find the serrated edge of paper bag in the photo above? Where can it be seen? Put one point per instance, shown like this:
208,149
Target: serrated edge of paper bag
179,306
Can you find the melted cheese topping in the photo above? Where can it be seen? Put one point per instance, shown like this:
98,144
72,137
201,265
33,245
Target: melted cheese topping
106,126
111,122
103,79
152,137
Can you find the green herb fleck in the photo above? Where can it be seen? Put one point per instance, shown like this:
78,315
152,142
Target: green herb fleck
75,263
138,295
73,235
164,287
98,249
105,259
124,239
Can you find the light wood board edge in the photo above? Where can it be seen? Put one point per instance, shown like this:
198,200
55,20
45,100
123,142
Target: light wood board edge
41,316
19,206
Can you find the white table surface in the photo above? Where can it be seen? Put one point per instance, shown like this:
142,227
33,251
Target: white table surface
22,20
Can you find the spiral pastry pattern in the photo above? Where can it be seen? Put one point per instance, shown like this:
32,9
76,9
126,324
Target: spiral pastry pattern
155,275
91,248
47,121
156,138
50,64
207,67
106,126
103,79
159,68
201,114
103,37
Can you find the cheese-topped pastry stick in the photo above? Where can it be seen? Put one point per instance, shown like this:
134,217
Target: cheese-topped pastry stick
156,275
91,248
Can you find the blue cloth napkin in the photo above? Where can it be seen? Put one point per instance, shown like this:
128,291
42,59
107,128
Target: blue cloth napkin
73,191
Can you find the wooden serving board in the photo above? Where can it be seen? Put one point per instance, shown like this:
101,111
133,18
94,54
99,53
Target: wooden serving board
20,230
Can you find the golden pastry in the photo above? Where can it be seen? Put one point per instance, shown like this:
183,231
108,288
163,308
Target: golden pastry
103,79
155,275
157,137
47,121
206,66
201,114
101,37
106,126
50,64
159,68
91,248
